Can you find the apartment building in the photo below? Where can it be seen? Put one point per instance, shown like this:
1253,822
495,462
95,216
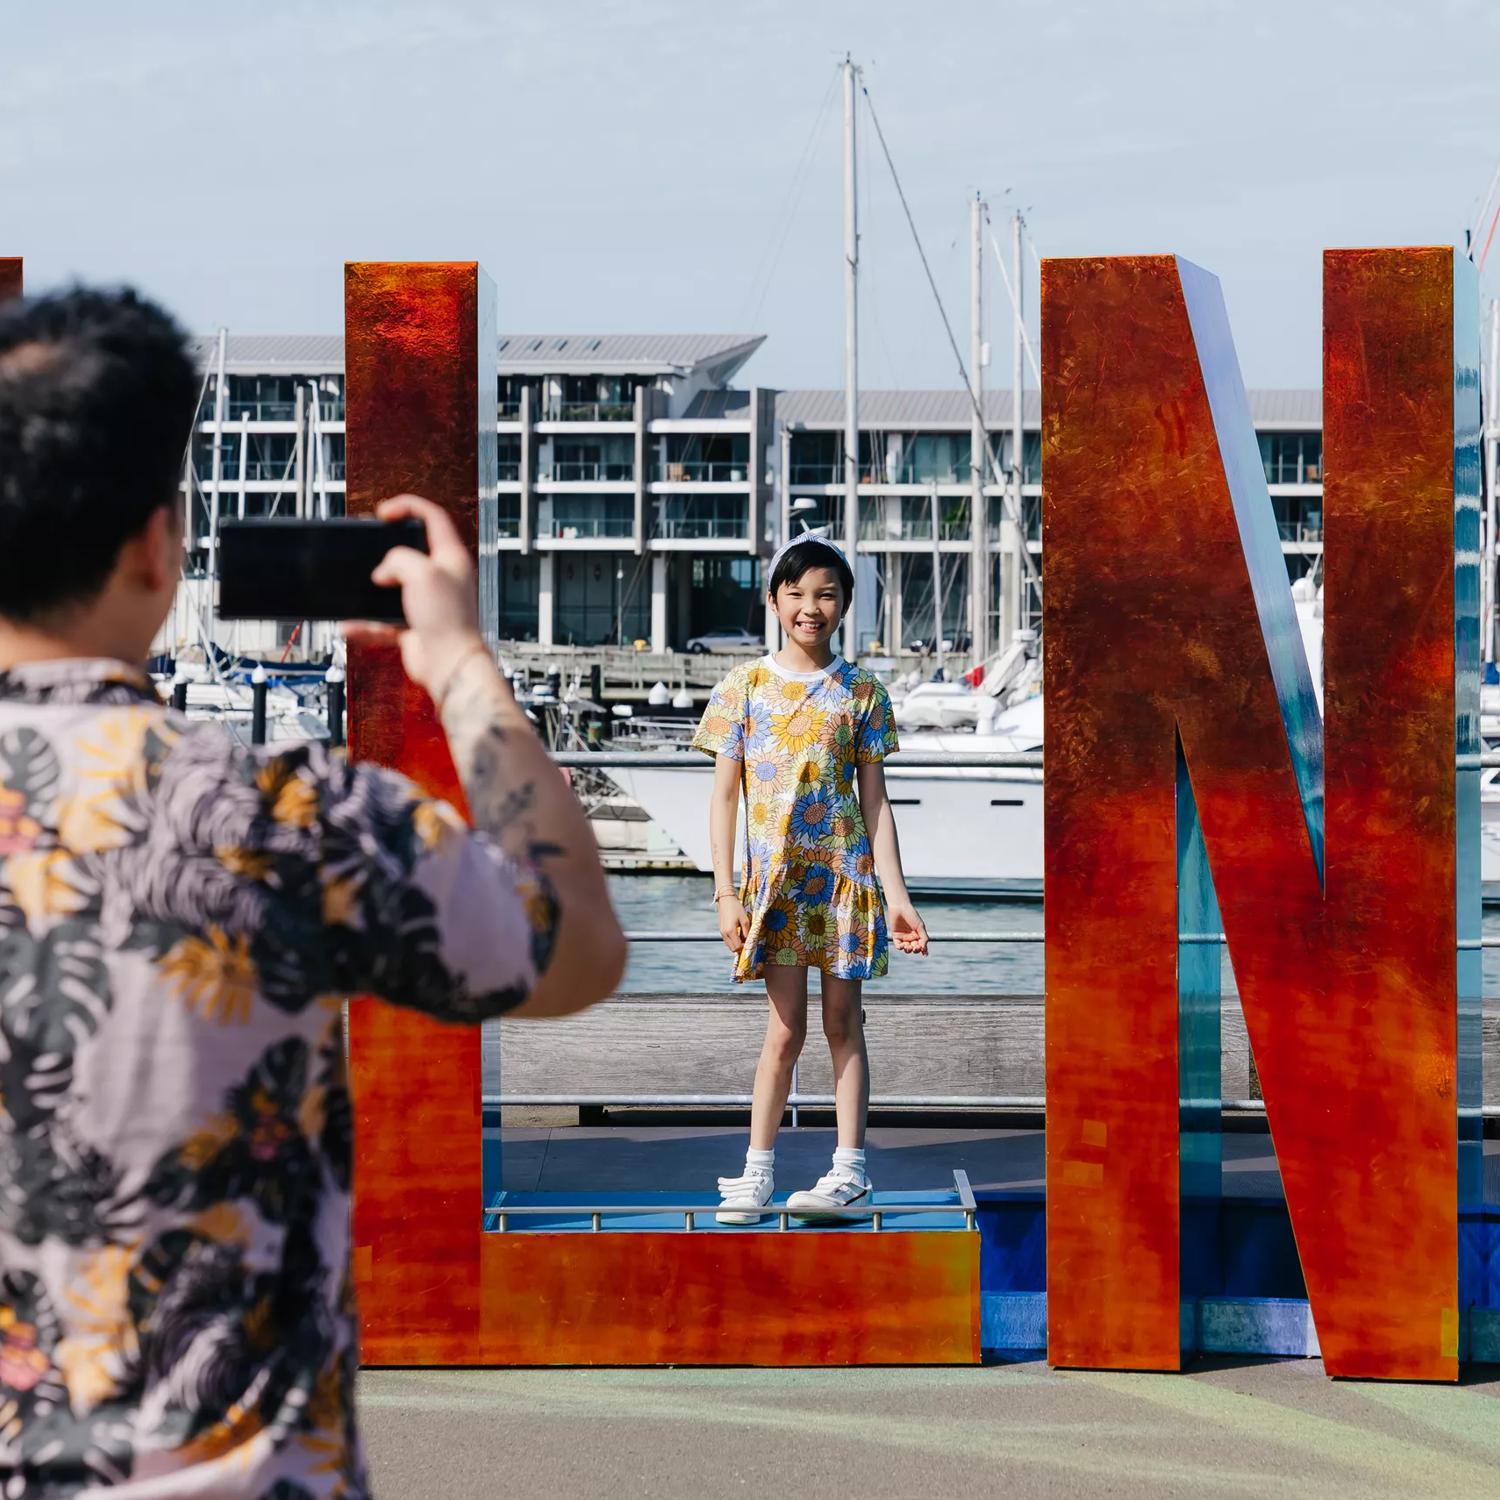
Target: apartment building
640,488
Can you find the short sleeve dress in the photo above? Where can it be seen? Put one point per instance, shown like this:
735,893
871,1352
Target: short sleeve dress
809,884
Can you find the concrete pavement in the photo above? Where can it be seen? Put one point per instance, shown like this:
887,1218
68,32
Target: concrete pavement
1256,1428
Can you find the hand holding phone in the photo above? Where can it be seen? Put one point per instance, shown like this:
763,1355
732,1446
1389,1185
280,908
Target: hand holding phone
438,595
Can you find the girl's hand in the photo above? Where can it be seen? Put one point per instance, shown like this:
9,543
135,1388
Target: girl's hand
907,931
734,923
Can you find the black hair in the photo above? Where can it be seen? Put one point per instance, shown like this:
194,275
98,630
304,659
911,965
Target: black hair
97,397
801,556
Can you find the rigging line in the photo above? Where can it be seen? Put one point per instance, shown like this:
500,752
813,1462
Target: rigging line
1011,293
1489,239
1006,498
1483,209
765,270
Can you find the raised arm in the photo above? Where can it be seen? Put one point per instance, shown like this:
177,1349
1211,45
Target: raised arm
519,801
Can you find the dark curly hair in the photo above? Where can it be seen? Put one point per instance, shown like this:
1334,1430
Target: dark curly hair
97,397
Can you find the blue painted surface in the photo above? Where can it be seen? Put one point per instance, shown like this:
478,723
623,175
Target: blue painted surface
1259,1305
946,1216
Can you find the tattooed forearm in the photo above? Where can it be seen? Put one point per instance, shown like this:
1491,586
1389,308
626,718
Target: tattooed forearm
496,756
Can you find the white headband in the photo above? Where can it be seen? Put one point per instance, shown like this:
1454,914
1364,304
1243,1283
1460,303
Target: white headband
820,537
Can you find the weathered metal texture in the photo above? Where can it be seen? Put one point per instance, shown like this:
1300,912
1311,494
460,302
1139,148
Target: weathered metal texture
420,359
10,276
1168,614
802,1298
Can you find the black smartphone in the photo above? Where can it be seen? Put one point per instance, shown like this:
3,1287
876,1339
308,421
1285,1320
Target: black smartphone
310,570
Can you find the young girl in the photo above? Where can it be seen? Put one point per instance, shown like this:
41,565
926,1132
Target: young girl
801,735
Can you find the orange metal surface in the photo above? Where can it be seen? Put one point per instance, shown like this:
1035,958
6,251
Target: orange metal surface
731,1299
1154,628
414,363
10,276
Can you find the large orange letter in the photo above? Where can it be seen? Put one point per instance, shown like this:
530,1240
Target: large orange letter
1351,907
420,352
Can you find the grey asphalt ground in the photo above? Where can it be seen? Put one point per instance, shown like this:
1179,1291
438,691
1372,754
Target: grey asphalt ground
1229,1428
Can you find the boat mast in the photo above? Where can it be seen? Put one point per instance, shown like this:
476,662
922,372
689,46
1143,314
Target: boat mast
979,552
1491,442
215,483
851,345
1017,571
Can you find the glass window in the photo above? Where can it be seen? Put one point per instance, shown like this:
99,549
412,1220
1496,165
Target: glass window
813,458
602,600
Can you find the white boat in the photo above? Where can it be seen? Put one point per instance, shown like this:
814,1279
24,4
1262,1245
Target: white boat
965,830
977,830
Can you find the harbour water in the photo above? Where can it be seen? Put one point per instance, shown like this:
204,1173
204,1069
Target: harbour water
683,903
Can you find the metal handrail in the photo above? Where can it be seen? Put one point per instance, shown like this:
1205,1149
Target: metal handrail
984,760
650,935
502,1212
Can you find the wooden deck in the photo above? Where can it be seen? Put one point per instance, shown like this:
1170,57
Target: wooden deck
928,1045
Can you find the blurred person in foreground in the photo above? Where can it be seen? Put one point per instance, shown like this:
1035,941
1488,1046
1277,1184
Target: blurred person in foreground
180,919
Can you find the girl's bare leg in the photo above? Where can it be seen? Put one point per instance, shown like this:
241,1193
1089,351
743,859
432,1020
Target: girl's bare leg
844,1026
786,1030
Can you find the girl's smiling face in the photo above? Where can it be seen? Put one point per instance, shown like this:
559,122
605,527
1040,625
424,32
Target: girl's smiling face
810,607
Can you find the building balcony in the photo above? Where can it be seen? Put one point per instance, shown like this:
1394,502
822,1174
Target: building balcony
589,472
1300,531
589,411
565,528
508,473
703,518
814,473
702,471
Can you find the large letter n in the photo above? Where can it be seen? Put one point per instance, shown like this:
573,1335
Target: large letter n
1352,906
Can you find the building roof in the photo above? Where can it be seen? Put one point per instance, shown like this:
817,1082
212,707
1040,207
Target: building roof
718,405
626,353
274,353
952,409
720,354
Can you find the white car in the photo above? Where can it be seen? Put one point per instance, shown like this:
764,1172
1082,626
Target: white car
730,638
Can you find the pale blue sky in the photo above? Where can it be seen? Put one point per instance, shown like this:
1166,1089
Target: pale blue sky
627,165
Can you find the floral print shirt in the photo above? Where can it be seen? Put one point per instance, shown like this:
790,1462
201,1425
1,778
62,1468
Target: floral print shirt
180,919
809,885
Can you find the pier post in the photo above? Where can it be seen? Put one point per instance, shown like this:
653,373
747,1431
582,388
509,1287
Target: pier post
420,353
335,681
258,706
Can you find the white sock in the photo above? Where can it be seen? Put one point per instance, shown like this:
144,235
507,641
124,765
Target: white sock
853,1158
760,1161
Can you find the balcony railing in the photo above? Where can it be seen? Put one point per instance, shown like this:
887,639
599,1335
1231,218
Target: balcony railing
1300,531
704,527
509,411
256,411
508,473
330,409
705,471
573,528
590,411
585,471
814,473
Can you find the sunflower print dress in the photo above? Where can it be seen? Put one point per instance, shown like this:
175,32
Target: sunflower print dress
810,884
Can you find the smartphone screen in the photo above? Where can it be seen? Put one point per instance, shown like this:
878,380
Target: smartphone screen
310,570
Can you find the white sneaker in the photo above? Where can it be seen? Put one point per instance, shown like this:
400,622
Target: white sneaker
839,1188
743,1199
